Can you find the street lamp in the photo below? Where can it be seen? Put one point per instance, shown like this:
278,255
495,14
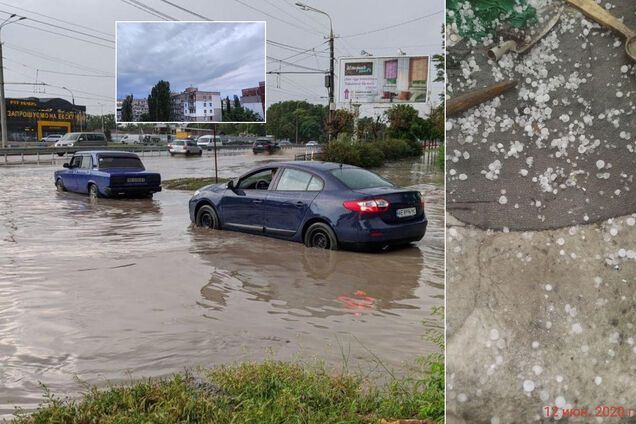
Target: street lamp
332,105
74,109
3,106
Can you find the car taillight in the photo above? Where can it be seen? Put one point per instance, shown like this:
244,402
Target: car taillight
422,202
367,206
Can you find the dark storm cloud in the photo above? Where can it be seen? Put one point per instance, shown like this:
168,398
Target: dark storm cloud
216,56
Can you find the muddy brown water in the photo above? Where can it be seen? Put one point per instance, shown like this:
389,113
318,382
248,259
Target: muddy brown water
101,292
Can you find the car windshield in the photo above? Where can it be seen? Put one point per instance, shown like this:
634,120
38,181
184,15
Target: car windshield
356,178
179,143
191,143
109,162
70,136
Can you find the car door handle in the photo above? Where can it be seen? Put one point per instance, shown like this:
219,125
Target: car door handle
257,201
299,204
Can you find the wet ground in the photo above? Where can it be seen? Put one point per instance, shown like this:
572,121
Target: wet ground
98,292
541,319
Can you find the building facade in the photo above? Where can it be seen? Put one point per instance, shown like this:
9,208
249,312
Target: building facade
194,105
253,98
31,118
139,107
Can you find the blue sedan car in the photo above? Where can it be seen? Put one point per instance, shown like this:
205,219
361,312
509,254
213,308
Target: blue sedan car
322,204
107,173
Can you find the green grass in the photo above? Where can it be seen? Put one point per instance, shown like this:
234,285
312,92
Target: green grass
263,393
190,183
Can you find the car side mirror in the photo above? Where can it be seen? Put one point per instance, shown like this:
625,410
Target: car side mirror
230,185
67,165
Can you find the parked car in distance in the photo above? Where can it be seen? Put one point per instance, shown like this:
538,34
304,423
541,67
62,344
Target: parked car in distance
207,142
184,147
264,145
80,140
284,143
321,204
107,174
150,139
311,143
51,138
131,139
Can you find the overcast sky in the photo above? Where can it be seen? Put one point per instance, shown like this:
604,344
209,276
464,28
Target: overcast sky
212,56
378,26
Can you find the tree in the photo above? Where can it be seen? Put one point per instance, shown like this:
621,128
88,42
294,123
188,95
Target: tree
284,117
401,119
159,103
227,103
370,129
341,123
237,102
240,114
126,109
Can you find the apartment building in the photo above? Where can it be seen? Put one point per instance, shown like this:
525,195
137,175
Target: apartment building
253,98
194,105
139,107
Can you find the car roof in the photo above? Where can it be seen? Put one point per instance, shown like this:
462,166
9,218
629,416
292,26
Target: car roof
107,152
314,165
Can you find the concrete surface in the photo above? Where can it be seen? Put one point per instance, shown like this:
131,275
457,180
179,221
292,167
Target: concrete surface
538,319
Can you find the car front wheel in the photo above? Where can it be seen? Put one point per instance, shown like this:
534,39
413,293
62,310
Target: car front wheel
321,236
93,192
59,184
207,217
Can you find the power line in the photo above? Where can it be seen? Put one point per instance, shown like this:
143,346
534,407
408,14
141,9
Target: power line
143,9
275,17
153,10
54,94
58,72
186,10
419,18
63,28
55,60
286,12
56,19
295,65
65,35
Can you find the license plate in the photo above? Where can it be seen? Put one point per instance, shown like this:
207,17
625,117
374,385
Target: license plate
403,213
136,180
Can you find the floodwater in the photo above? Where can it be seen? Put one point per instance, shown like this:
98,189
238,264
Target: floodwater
108,290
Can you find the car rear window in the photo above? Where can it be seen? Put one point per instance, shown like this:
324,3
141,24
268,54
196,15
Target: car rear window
356,178
109,162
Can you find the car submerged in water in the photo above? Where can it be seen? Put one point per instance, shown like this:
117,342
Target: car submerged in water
107,174
321,204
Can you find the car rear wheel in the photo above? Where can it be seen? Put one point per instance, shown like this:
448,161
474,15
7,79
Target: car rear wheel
207,217
93,192
201,153
321,236
59,184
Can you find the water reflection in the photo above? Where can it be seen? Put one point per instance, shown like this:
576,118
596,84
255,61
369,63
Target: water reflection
296,280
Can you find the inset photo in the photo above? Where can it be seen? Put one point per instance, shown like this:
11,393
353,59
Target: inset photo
203,72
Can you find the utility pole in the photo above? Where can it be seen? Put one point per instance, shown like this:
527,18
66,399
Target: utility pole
329,81
216,164
297,102
3,105
332,105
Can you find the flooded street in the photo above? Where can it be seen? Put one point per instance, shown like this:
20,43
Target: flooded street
98,292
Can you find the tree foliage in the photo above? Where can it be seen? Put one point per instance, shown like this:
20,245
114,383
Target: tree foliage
241,114
126,109
159,104
94,122
283,118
